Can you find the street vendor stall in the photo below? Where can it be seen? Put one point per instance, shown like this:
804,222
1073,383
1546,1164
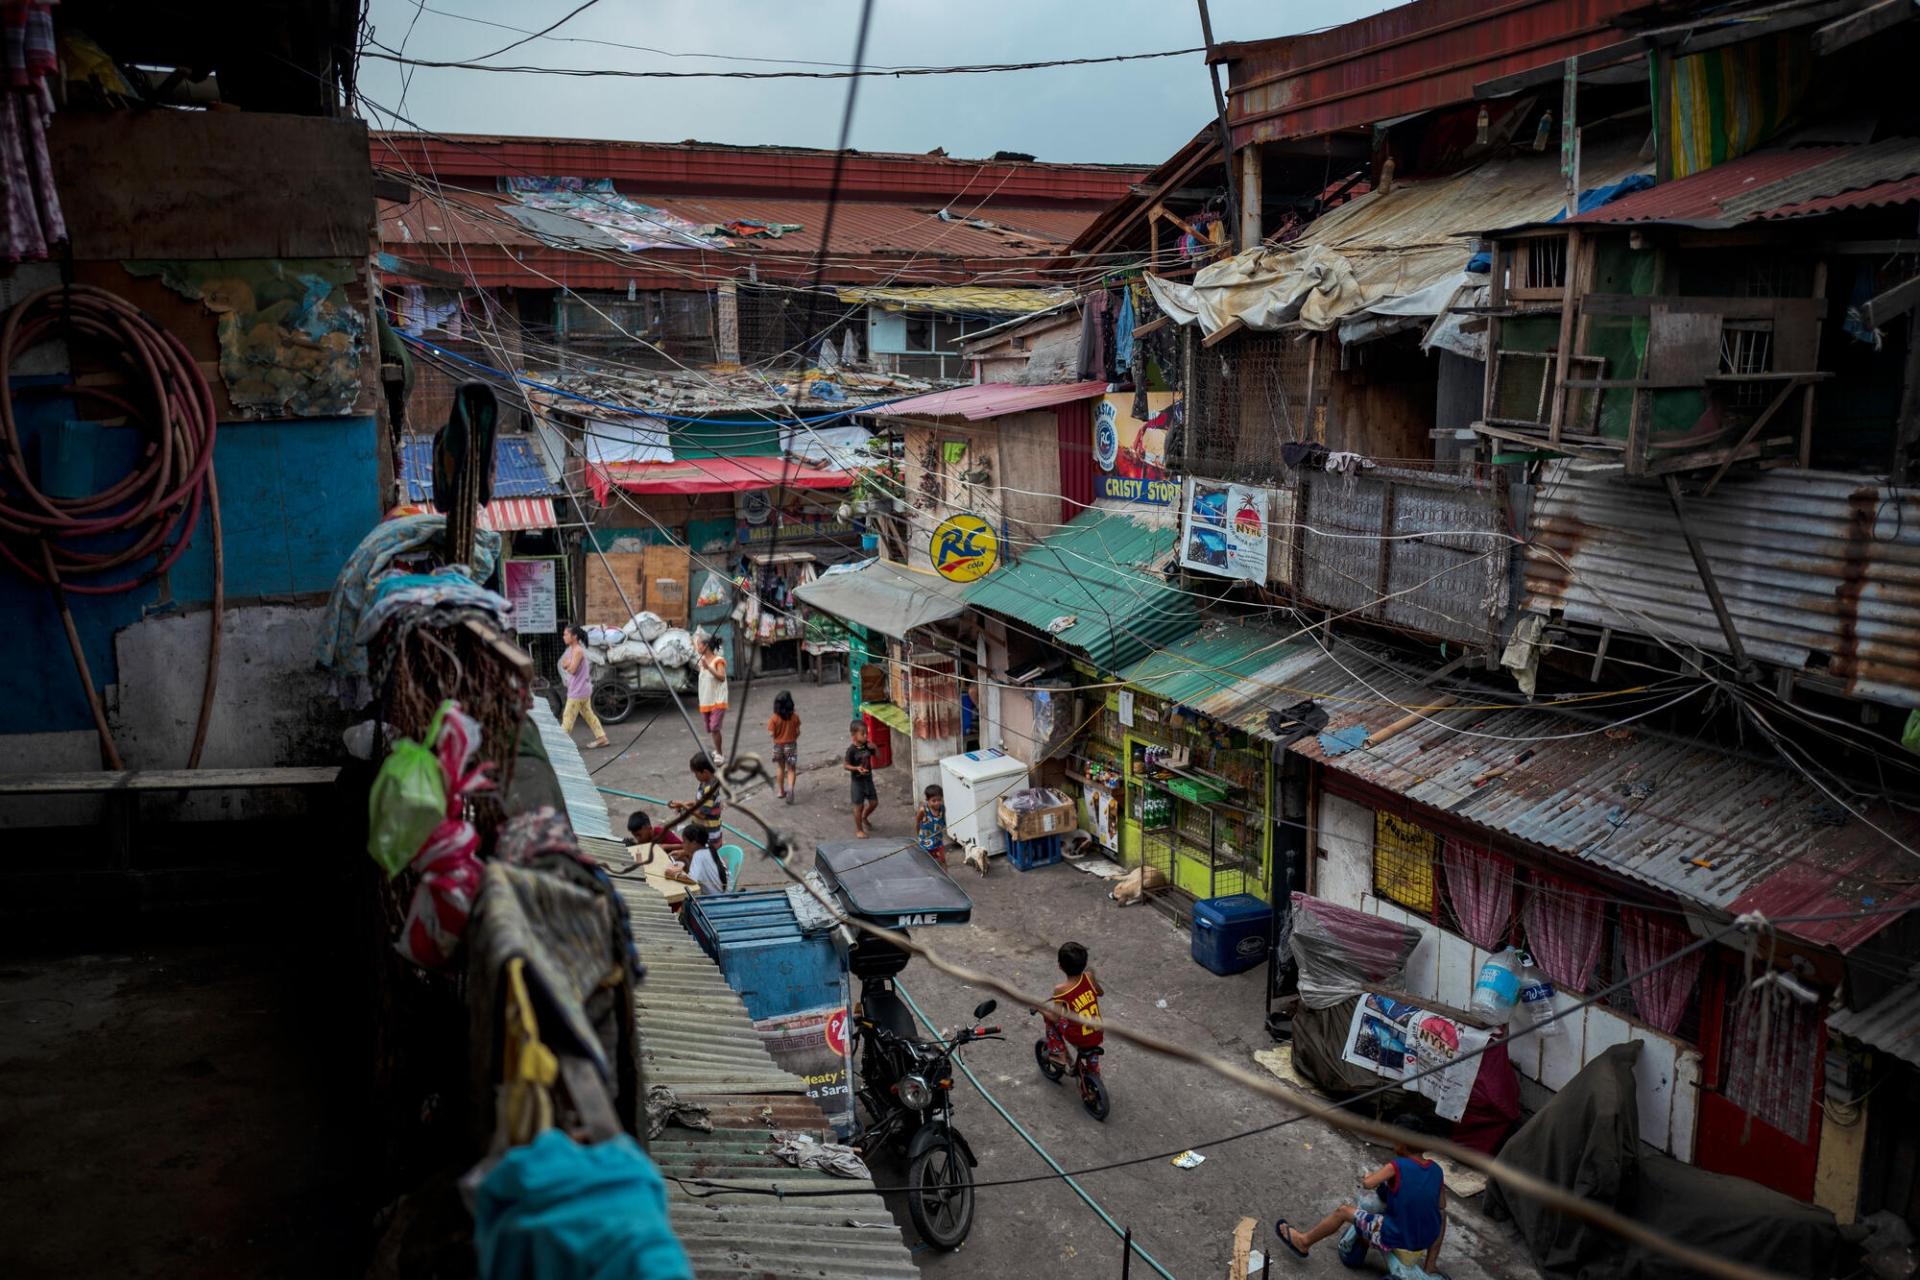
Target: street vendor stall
1167,788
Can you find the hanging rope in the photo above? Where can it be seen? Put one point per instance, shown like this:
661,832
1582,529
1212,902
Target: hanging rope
95,544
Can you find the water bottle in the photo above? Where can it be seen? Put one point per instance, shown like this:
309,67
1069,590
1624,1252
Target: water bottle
1536,997
1497,988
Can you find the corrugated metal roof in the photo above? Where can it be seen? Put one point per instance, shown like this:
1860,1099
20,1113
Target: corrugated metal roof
988,400
882,241
886,597
1235,674
1891,1024
1408,238
1727,832
517,469
696,1038
1820,570
1803,181
973,300
694,166
586,809
1103,572
1406,59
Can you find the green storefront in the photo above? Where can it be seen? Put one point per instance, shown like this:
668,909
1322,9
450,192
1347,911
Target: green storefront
1180,750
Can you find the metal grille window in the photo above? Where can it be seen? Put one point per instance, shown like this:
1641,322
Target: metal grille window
1249,396
1748,349
1546,265
1404,854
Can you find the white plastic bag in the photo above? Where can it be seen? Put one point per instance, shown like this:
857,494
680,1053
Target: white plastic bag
604,636
713,590
645,627
674,648
1497,989
596,657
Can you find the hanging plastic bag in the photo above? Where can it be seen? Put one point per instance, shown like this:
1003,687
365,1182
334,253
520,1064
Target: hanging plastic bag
408,800
1497,989
713,590
1536,997
449,872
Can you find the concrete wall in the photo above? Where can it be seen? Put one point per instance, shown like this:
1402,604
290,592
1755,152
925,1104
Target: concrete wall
1019,491
243,235
1443,967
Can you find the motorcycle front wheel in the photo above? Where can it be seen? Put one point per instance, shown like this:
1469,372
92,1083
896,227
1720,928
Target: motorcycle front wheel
1093,1095
940,1196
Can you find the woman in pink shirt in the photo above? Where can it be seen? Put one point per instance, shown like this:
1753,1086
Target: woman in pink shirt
578,673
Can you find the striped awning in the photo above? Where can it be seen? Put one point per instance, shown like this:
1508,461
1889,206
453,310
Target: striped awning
502,515
506,515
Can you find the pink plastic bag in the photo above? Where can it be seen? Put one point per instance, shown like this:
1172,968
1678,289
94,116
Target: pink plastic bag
449,871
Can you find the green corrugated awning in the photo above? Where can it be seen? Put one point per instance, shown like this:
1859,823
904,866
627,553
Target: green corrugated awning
1232,673
1097,587
890,714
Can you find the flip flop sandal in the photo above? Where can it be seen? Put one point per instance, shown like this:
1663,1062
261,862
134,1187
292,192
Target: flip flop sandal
1284,1235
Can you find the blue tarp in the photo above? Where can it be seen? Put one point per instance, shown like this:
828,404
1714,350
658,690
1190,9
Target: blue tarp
517,472
1590,199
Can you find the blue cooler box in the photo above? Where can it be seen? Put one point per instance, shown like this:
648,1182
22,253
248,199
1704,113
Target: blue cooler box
1232,933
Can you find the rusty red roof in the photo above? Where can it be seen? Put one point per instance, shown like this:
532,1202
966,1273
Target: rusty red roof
905,242
709,168
1703,199
1409,58
989,400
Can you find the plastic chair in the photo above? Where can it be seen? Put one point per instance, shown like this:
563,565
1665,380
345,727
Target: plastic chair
732,856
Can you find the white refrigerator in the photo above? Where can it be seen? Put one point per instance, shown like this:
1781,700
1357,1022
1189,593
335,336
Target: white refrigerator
974,783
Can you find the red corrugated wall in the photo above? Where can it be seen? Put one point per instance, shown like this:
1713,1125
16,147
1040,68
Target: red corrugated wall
1075,424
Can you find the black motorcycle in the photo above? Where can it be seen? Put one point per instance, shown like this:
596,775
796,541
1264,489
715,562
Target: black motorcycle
906,1085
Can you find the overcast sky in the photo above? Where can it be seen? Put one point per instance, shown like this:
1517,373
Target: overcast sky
1137,112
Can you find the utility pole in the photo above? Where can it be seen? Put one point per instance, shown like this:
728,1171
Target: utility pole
1220,120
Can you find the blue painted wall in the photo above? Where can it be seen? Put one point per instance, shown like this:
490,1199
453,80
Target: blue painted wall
296,498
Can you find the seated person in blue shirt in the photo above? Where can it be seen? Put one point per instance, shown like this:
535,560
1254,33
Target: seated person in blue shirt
1415,1192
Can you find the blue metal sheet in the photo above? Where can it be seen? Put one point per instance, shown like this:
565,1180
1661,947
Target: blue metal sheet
296,497
765,956
517,469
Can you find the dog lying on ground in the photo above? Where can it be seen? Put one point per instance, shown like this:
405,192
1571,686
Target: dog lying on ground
1129,888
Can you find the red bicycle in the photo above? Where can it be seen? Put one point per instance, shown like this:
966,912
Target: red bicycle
1051,1054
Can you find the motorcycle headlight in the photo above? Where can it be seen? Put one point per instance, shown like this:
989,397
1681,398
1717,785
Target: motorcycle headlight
915,1092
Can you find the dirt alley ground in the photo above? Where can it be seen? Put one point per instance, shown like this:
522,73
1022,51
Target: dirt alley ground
1184,1218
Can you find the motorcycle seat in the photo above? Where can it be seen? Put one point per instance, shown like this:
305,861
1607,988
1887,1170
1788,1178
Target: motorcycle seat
887,1011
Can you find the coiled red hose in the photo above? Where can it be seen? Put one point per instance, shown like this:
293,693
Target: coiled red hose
148,513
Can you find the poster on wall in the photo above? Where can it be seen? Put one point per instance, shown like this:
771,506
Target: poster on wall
531,589
1223,530
1103,809
1130,454
1418,1047
814,1046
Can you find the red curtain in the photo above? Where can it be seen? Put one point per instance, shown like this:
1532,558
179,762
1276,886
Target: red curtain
1565,927
1647,938
1480,887
1770,1070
